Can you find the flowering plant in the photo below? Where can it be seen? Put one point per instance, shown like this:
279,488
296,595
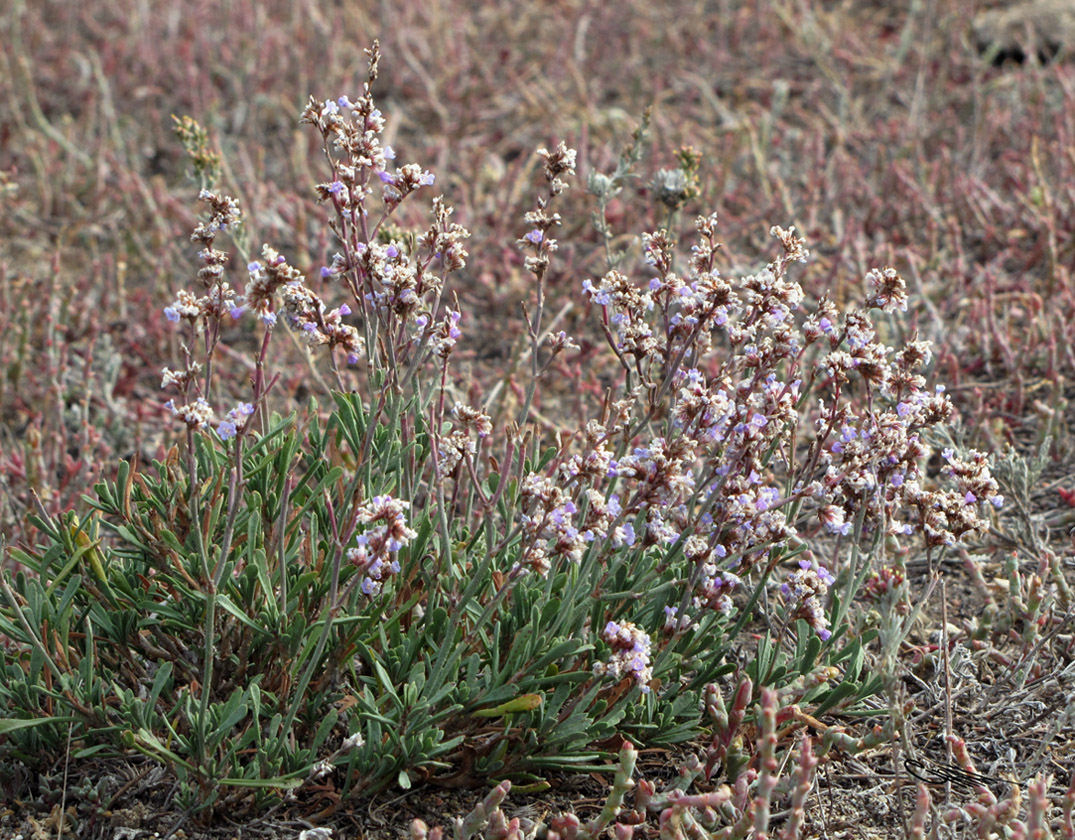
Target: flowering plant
370,594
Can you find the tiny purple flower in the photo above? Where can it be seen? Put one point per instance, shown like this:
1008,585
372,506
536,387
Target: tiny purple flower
253,267
534,237
391,252
345,309
386,177
326,272
336,187
171,314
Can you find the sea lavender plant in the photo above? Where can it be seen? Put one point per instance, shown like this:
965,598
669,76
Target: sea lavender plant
369,595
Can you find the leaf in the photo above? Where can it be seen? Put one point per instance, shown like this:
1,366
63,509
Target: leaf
523,703
9,725
809,648
284,782
229,606
837,696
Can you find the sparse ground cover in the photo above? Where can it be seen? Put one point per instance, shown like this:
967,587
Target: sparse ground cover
716,510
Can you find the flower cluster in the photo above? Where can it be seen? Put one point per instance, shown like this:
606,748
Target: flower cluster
661,471
305,312
182,379
196,415
560,161
446,334
715,588
564,512
355,128
548,516
234,421
630,654
890,290
444,238
386,532
224,214
394,280
947,515
403,182
459,444
805,591
266,278
733,459
218,301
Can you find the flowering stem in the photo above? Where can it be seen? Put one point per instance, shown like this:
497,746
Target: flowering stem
259,381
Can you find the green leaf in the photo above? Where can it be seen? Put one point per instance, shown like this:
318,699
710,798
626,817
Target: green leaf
523,703
12,725
290,782
808,648
837,696
230,607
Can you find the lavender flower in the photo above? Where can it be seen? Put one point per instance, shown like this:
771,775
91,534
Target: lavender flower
630,655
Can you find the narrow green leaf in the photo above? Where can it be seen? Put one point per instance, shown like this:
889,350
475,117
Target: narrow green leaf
524,703
12,725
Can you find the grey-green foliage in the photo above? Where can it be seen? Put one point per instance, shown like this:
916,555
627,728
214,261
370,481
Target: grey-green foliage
106,620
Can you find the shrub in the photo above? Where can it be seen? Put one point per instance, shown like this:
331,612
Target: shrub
394,591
